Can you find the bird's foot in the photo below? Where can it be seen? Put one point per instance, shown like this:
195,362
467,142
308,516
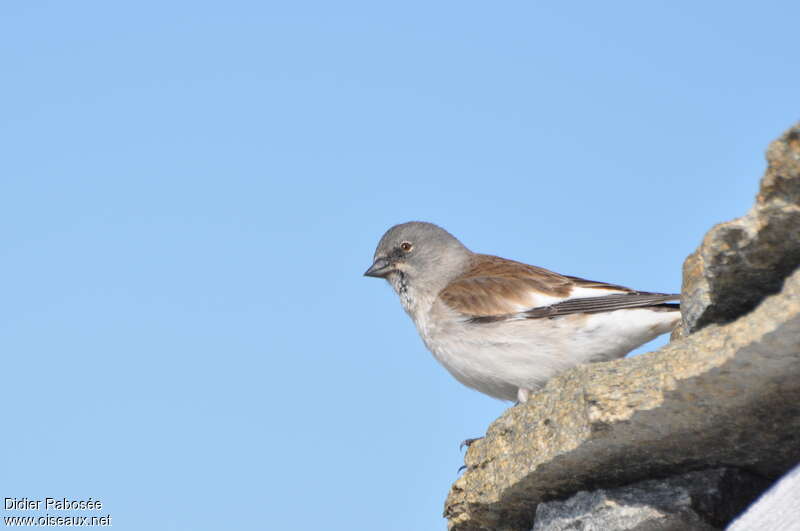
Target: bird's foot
468,442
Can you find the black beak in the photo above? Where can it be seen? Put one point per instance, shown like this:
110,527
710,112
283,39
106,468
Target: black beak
379,269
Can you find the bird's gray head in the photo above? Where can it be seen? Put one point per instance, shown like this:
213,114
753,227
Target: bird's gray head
420,254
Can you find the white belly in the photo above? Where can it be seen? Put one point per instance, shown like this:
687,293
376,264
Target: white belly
500,358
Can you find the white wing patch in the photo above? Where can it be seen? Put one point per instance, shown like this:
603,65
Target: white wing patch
537,300
582,293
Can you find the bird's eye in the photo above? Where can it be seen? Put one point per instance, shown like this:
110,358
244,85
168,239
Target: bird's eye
406,246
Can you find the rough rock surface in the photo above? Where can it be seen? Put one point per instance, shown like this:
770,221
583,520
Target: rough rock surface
742,261
726,395
695,501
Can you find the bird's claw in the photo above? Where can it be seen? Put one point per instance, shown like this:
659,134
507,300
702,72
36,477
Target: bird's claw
468,442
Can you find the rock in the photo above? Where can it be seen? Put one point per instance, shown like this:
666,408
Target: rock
725,394
778,509
664,509
699,501
742,261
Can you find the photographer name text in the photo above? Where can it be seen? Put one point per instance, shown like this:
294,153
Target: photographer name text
51,504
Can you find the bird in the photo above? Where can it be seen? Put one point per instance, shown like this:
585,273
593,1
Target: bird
503,327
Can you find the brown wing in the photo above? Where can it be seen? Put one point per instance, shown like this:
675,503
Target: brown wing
496,287
583,283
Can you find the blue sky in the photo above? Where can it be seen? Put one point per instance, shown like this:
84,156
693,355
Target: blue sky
190,192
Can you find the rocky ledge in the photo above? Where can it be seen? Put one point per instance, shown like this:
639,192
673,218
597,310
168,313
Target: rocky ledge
601,442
